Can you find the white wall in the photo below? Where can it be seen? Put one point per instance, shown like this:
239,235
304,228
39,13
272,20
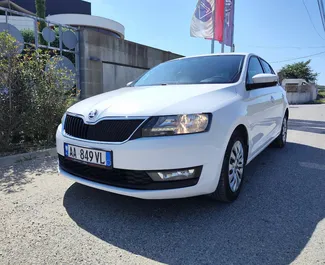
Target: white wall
19,22
117,76
301,97
90,21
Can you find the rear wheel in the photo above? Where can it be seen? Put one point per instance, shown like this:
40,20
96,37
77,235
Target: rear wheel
232,173
281,140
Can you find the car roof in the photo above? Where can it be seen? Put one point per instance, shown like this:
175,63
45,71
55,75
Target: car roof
216,54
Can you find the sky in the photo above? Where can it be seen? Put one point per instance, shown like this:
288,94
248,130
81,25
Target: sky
276,30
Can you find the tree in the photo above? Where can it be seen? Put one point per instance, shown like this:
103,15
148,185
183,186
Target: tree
32,96
41,12
301,70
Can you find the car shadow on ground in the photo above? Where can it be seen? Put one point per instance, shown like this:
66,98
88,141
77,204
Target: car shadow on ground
281,203
307,126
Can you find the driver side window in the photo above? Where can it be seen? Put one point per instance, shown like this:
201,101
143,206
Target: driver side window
254,68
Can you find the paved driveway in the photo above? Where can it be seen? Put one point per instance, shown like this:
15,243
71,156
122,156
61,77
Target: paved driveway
278,219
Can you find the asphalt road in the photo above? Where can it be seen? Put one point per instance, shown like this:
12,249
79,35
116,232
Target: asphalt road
278,219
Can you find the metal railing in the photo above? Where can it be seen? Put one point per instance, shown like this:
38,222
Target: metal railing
50,24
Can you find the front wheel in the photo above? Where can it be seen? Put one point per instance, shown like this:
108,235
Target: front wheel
232,172
281,140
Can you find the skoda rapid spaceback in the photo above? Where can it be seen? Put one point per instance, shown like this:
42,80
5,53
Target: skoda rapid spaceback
187,127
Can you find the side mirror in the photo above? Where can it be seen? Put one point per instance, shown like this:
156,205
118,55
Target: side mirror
263,80
129,84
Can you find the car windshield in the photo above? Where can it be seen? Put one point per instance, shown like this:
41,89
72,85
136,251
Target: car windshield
216,69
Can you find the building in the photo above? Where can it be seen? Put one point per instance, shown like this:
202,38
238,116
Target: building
82,21
54,7
13,6
106,60
75,13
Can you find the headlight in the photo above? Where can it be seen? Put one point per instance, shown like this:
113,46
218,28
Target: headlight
176,124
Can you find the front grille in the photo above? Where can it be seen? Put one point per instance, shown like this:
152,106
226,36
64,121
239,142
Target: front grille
105,131
131,179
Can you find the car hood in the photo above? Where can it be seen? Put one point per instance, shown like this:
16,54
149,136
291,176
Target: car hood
155,100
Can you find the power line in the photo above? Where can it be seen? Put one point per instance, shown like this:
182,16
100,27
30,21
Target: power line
297,58
311,21
286,47
322,11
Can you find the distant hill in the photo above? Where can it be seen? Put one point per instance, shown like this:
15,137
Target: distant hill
321,87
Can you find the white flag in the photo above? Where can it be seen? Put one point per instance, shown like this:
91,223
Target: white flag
202,25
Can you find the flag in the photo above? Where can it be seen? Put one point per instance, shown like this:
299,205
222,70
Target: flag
219,15
214,19
202,20
207,20
228,30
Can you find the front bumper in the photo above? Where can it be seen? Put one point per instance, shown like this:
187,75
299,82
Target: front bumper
156,153
131,179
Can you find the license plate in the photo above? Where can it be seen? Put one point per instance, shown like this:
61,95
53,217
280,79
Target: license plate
92,156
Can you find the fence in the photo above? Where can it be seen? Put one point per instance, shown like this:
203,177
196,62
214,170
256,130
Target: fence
68,38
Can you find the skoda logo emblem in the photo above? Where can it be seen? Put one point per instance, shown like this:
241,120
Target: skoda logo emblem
92,114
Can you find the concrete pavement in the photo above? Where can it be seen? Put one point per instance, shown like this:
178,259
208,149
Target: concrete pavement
278,219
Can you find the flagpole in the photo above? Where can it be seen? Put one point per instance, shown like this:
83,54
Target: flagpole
223,31
213,21
233,28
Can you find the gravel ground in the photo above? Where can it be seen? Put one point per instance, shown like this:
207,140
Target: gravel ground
278,219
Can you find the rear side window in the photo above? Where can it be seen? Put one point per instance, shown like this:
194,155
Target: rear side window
267,67
254,68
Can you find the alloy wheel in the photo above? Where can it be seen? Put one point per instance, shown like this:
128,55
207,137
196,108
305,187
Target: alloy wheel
236,166
284,130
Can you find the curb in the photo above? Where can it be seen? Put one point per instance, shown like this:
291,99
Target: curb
10,160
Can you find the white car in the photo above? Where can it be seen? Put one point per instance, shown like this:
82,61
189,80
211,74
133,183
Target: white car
185,128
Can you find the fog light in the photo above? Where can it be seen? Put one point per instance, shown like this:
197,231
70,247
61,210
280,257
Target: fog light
171,175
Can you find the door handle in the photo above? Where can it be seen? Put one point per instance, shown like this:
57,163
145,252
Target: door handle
272,99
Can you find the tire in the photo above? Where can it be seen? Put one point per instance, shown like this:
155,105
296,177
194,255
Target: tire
281,140
226,191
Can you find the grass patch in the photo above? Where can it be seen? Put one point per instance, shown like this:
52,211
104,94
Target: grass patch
320,101
320,97
321,93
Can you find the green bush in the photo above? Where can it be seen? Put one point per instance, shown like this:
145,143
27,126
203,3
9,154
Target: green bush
28,35
32,99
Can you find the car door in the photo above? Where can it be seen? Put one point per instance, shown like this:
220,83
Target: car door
259,108
277,100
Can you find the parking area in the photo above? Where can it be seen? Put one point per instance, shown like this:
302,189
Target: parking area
279,217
